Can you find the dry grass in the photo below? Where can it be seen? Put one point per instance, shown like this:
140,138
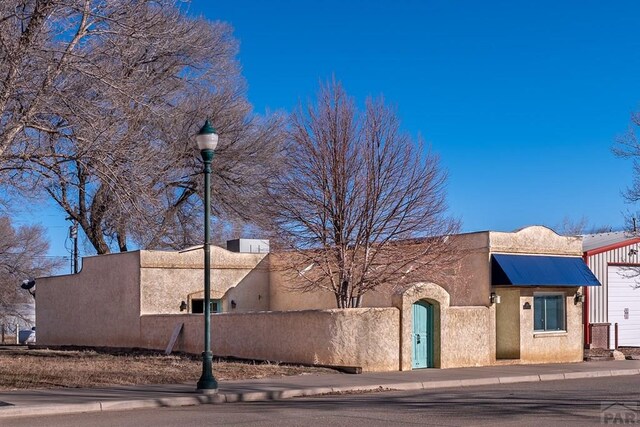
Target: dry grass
24,369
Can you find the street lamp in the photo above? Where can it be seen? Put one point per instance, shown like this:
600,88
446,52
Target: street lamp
207,140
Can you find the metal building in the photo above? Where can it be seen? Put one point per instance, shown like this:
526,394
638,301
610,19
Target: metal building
614,258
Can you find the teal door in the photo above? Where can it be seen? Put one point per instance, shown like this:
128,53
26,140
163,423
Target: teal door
422,335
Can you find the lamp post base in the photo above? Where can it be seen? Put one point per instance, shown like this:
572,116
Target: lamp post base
207,383
206,391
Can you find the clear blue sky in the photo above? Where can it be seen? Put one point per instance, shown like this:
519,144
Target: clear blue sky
522,100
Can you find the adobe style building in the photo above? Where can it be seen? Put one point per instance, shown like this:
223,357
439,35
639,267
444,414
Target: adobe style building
516,298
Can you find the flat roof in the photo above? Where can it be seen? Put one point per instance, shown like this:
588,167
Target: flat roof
600,240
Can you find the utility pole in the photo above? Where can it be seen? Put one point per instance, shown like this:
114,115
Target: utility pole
73,234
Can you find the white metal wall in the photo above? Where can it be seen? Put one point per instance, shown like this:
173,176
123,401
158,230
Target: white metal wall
598,295
624,305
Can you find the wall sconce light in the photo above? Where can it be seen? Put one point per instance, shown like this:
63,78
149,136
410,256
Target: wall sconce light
183,306
633,252
233,304
579,298
495,299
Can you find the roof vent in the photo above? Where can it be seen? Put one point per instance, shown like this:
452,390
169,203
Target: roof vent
251,246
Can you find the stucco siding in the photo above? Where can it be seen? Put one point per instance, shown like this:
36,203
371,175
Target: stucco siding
282,297
364,337
168,278
99,306
508,324
133,300
467,337
551,347
470,283
535,240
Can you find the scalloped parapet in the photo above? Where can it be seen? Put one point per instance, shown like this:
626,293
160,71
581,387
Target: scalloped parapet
535,239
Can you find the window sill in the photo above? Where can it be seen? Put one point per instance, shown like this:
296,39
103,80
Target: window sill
542,334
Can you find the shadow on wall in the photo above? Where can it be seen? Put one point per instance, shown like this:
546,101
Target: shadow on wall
250,294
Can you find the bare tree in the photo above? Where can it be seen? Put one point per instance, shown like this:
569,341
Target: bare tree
627,146
23,255
361,204
122,88
570,227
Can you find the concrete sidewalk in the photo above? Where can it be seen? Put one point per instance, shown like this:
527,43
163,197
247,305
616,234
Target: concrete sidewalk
65,401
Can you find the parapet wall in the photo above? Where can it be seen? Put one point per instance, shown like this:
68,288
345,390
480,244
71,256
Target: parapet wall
99,306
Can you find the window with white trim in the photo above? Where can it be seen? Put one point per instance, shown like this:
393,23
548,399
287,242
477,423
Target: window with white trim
549,312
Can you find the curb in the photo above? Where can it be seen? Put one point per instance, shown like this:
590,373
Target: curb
257,396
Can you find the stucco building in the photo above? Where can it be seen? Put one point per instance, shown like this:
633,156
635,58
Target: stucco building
516,298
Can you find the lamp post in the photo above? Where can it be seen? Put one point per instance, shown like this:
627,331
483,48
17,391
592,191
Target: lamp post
207,140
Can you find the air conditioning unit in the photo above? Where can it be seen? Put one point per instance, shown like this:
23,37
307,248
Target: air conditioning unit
250,246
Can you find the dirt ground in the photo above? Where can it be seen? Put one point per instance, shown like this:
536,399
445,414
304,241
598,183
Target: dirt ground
630,351
600,353
22,368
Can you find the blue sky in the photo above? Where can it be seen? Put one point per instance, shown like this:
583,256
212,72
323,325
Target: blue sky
522,100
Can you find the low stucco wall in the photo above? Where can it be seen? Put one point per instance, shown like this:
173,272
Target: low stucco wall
364,337
468,337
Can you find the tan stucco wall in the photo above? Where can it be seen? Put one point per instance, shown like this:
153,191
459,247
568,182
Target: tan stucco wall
99,306
283,298
468,337
551,347
364,337
535,240
470,285
167,278
102,305
508,324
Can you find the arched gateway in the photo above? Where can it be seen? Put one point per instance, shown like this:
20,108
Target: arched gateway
423,308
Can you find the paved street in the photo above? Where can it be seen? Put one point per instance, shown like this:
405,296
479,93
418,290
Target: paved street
551,403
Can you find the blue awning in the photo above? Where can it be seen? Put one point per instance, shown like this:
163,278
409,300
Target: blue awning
533,270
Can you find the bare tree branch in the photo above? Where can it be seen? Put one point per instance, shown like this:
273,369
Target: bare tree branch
360,204
23,255
99,103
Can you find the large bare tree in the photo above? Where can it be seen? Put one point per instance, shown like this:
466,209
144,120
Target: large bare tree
627,146
99,104
361,204
23,255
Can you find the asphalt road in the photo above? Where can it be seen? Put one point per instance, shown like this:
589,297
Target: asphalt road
552,403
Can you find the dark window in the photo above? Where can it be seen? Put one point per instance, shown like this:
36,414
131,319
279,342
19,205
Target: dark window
548,312
197,306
